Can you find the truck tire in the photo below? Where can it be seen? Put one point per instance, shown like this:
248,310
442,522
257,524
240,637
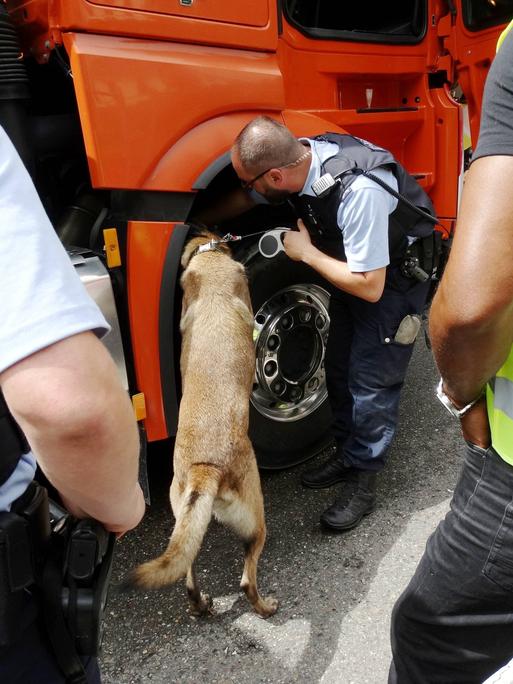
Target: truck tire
289,411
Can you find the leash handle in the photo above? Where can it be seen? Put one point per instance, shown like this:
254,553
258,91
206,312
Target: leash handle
271,242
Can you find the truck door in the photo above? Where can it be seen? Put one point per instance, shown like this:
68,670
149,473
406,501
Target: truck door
472,40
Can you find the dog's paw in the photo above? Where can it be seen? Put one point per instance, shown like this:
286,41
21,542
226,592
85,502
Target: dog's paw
266,607
203,607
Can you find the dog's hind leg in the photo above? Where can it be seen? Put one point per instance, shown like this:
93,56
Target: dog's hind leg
265,607
245,515
201,604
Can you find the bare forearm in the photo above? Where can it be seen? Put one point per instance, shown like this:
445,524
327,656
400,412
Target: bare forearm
337,272
79,422
471,320
468,353
95,469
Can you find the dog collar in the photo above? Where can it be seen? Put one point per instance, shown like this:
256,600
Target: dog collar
211,246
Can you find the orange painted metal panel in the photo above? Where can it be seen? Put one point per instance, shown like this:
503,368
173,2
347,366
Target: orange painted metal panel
156,113
446,144
138,99
375,91
180,106
255,13
232,23
147,243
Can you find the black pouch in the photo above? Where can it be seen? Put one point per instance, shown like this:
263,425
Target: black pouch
16,574
422,257
24,535
430,248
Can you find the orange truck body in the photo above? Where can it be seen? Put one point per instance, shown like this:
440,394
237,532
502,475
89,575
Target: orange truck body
162,89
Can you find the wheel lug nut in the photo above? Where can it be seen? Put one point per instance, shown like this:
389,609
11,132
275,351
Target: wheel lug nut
270,368
305,315
278,387
295,393
273,342
287,322
320,321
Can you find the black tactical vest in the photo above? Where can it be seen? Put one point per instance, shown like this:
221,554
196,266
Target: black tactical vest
354,157
12,442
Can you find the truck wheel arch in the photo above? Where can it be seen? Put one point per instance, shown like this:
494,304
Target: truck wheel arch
182,169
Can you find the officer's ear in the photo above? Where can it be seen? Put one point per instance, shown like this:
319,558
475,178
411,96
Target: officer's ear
276,176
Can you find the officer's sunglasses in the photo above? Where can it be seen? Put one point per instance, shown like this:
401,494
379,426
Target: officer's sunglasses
248,185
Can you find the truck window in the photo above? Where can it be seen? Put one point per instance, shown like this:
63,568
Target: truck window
482,14
402,21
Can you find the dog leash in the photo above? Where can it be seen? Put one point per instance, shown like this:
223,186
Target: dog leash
229,237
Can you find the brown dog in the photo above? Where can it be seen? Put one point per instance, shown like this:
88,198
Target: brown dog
215,469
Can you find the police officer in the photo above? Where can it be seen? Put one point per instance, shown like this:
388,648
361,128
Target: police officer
454,621
356,234
63,398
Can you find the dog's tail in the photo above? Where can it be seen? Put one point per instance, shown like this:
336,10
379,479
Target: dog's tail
190,527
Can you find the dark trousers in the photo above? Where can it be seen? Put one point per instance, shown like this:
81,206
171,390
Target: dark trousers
454,622
30,659
365,368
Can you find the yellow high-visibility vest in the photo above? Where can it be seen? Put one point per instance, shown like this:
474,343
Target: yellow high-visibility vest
499,403
499,391
503,35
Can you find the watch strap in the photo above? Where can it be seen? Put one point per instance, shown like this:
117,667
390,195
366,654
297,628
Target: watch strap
449,404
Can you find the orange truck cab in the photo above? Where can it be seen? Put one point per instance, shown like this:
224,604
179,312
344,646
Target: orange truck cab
124,112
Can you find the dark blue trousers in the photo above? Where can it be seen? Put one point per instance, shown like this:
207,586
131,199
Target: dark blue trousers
30,659
453,624
365,368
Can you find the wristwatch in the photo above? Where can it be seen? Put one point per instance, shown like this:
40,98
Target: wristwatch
450,406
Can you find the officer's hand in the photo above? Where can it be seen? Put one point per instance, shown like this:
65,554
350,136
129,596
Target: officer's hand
297,243
130,517
133,517
475,425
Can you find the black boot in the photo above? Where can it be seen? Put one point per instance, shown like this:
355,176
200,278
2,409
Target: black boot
328,473
344,516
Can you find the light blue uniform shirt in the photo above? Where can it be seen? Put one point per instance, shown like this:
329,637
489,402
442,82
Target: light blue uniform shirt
43,299
363,214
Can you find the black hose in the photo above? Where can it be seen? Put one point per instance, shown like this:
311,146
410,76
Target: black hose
13,75
14,90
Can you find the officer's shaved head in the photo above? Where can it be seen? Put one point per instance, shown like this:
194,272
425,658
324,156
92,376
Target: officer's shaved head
265,143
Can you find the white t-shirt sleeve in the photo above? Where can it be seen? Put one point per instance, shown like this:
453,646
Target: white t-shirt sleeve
43,299
363,219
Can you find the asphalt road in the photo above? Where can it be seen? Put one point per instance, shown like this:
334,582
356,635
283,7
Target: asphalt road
335,591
